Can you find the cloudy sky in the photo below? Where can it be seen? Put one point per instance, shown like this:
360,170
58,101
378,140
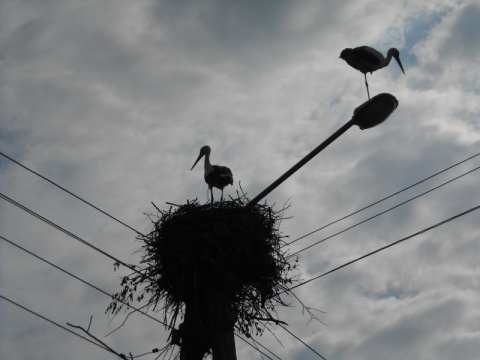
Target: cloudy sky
113,99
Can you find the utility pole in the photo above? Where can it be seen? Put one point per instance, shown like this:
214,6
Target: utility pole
221,264
195,337
223,321
209,323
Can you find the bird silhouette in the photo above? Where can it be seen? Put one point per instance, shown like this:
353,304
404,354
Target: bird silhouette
367,60
215,175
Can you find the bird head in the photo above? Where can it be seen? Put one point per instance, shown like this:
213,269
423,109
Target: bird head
205,150
396,55
345,53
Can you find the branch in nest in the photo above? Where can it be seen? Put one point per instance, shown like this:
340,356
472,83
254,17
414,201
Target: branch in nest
270,318
308,309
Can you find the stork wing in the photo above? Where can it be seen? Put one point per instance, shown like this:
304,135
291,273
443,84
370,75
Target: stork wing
369,54
225,173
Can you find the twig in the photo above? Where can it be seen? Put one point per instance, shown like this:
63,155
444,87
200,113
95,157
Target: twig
122,356
270,318
90,323
155,206
125,320
169,203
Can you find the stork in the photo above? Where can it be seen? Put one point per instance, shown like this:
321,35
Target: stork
215,175
366,59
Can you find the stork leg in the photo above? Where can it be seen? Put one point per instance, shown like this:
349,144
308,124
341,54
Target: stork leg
366,84
211,195
221,199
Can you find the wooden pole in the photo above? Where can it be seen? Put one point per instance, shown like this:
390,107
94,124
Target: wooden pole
222,327
195,336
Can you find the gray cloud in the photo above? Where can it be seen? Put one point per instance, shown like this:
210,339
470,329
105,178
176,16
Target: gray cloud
114,100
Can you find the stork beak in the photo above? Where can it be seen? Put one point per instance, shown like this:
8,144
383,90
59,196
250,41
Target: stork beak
397,57
196,161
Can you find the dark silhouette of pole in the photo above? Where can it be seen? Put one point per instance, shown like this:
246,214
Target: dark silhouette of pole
371,113
222,332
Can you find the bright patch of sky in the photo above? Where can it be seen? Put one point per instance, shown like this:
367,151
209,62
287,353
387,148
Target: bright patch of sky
417,29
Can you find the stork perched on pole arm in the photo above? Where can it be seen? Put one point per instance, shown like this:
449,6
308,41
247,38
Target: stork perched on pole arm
366,59
215,175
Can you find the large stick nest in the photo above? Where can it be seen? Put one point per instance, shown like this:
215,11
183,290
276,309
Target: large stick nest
195,251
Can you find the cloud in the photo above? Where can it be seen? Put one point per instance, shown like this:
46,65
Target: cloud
114,100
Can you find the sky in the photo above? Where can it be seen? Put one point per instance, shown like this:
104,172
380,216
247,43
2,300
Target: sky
113,100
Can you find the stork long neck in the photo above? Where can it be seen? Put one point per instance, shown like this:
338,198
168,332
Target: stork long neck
208,166
388,58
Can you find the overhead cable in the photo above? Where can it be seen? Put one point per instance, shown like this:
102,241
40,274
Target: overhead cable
387,246
109,295
255,348
81,280
303,342
383,212
71,193
383,199
58,227
52,322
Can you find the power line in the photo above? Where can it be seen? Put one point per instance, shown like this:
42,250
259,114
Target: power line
387,246
296,337
101,346
106,254
52,322
64,231
383,212
81,240
80,279
31,212
71,193
301,237
260,351
385,198
58,227
256,342
111,296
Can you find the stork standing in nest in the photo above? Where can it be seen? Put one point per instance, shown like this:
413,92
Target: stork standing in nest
215,175
367,60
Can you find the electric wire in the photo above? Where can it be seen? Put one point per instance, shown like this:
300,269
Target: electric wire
301,237
52,322
69,330
126,225
310,233
258,343
81,280
383,199
76,237
385,211
256,348
64,231
387,246
303,342
109,295
58,227
71,193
